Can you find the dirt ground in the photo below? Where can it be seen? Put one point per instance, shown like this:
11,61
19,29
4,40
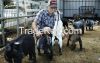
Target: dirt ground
90,53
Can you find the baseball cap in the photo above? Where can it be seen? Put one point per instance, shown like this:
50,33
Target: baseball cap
52,3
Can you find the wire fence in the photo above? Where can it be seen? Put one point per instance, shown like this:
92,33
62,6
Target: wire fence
14,17
10,28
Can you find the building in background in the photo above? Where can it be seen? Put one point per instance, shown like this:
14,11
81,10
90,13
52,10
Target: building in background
72,7
68,7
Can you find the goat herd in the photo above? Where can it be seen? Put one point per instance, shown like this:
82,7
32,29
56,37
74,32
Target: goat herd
25,44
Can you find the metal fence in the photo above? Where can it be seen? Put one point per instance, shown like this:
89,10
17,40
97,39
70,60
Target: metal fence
10,21
11,25
71,7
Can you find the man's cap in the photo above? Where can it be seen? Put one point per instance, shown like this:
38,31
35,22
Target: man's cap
52,3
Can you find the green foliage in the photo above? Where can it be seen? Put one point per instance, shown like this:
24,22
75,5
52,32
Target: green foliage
7,2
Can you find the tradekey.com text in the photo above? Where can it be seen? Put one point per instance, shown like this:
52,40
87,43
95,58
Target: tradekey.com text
69,31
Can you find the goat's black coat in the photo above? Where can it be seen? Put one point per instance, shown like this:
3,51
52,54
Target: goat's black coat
79,25
89,24
25,47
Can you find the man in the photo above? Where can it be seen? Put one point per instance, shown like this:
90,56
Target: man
45,20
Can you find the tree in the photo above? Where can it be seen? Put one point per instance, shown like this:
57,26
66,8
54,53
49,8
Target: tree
6,2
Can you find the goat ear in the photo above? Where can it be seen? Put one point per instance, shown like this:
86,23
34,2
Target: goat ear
8,48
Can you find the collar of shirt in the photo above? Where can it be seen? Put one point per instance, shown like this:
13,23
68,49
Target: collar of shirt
49,14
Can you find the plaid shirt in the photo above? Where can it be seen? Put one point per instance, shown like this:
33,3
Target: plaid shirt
43,19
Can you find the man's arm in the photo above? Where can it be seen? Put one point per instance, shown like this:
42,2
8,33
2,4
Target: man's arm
34,26
35,29
37,21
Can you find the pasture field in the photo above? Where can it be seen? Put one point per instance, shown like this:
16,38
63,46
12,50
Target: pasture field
90,53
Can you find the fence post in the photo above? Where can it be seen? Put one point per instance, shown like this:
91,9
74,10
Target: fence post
63,8
17,7
2,23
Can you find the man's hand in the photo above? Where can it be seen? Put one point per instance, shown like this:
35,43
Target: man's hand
46,30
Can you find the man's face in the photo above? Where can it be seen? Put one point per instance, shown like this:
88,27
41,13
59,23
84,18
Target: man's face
52,9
